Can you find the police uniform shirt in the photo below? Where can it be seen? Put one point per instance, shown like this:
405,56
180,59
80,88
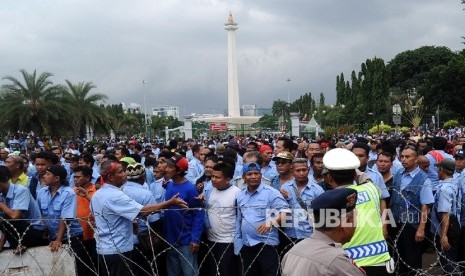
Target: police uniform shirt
318,255
114,212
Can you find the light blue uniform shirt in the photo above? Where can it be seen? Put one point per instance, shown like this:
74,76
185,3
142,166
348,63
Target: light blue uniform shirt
238,170
195,170
62,205
114,211
158,192
254,210
18,197
446,199
142,196
461,186
426,192
269,171
301,228
378,180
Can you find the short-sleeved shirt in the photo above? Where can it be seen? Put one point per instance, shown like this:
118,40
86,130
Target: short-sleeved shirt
62,205
142,196
318,255
113,211
18,197
222,214
301,227
426,192
446,198
255,209
84,215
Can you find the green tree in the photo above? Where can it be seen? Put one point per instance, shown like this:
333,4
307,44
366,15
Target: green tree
409,69
280,108
267,122
85,106
34,103
322,100
445,87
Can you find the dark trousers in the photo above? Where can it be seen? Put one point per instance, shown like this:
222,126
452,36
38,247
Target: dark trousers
285,243
16,230
448,258
461,250
116,264
375,271
260,259
221,260
82,258
407,252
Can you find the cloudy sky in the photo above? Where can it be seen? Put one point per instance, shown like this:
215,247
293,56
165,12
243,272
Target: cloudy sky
180,46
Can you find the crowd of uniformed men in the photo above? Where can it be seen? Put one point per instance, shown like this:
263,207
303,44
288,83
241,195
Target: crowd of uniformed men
239,206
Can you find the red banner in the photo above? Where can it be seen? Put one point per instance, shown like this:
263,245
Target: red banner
218,126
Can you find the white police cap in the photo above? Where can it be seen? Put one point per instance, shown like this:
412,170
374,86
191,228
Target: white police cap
340,159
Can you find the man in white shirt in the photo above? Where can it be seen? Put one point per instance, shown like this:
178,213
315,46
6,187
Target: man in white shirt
220,201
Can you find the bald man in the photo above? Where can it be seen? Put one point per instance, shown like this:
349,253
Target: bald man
423,163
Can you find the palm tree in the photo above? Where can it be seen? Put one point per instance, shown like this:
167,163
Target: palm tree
86,108
280,108
33,104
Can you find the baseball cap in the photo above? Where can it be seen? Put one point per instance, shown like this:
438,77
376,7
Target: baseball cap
179,162
460,153
250,167
284,155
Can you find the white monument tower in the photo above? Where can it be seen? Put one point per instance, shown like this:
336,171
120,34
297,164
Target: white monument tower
233,89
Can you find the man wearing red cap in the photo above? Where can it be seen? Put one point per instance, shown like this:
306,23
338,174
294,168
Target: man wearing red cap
268,167
182,228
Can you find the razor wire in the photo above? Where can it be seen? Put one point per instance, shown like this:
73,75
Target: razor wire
148,262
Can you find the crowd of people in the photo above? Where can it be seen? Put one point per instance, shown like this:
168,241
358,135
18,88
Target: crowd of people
238,205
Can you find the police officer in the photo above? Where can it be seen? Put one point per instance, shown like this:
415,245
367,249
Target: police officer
322,253
368,247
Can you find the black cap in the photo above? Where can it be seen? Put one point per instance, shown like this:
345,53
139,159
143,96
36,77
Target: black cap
459,153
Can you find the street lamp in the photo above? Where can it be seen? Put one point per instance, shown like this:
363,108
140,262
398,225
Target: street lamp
288,91
144,82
